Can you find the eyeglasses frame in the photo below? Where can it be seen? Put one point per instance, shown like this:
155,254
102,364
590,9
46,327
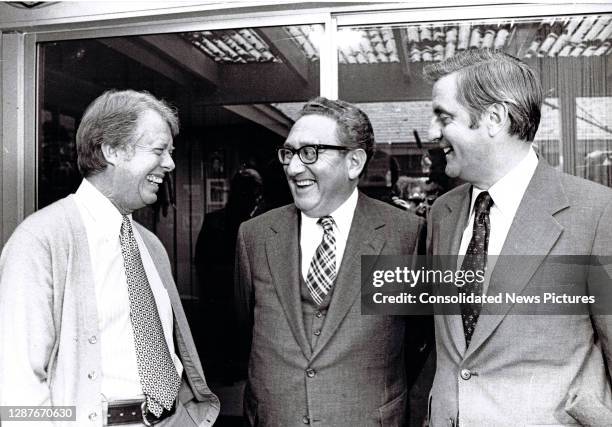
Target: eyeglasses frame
317,147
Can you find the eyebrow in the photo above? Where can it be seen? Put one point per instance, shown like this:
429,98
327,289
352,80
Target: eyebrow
299,144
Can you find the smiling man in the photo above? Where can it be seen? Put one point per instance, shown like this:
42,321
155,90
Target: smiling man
314,358
88,306
499,366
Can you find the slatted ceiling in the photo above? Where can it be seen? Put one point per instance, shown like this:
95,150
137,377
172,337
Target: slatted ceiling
565,37
573,37
367,46
232,46
305,36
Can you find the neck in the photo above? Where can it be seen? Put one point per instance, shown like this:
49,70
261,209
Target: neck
504,161
102,184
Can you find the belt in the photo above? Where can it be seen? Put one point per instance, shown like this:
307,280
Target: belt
133,411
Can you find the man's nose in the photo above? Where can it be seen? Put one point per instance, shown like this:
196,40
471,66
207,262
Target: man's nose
167,162
435,131
295,166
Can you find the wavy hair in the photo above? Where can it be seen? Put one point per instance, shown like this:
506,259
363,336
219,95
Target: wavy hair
112,119
486,77
353,129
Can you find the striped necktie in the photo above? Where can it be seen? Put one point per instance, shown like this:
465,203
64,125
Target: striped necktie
322,270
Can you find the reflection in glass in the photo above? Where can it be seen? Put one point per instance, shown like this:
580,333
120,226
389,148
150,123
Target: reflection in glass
226,85
380,69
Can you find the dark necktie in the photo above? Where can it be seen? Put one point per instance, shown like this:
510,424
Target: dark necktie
322,270
476,259
158,377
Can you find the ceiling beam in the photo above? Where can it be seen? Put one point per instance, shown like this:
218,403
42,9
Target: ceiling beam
186,55
401,44
132,49
282,45
265,116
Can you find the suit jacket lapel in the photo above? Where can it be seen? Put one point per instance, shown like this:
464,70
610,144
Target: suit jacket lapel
533,232
452,225
363,239
451,228
283,252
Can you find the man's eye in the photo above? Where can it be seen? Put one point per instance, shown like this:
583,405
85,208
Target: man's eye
158,151
445,119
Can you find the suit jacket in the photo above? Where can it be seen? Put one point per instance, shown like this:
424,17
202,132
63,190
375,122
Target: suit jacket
528,369
355,374
48,319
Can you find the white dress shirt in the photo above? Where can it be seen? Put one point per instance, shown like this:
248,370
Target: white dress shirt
102,220
311,233
507,194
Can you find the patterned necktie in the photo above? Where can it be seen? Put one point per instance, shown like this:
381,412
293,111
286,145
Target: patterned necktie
158,377
476,259
322,271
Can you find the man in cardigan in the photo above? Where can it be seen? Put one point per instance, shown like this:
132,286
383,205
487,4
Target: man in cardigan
314,358
89,312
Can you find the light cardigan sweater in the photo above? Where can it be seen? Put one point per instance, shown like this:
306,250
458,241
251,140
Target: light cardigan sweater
49,336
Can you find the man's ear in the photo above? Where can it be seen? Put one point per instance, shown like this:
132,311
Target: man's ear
356,159
496,117
111,154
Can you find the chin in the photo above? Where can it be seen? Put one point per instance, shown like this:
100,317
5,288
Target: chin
451,172
148,199
305,208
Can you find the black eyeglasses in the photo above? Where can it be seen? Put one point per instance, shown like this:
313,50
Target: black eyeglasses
308,154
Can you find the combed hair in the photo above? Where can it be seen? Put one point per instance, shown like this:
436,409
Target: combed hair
486,77
353,128
112,119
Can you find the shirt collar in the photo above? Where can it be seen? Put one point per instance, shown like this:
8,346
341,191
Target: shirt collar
343,215
508,191
101,210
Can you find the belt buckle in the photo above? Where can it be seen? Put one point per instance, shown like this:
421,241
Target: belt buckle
144,409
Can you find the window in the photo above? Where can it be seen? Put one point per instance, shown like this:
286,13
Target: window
380,66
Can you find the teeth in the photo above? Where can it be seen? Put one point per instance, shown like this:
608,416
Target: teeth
155,179
304,182
448,150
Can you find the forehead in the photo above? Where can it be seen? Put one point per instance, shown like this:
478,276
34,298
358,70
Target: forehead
152,128
313,129
444,93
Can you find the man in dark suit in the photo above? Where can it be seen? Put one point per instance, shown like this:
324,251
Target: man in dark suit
496,366
314,358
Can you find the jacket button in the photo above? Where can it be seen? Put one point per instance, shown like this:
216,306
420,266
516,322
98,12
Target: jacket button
319,314
92,375
93,339
466,374
310,372
305,419
93,416
317,332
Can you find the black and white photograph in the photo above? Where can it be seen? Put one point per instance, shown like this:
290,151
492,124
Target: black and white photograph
284,213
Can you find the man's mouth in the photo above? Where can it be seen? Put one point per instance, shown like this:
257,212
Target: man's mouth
448,150
303,183
155,179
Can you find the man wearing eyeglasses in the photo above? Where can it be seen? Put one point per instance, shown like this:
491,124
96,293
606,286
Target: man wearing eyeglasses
314,358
